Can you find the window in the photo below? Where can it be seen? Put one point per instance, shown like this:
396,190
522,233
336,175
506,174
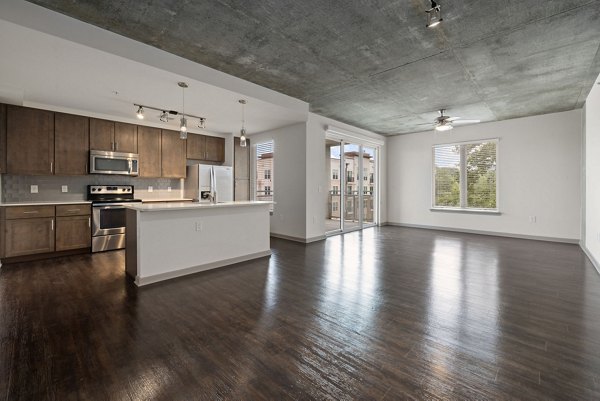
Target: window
264,172
465,175
335,174
335,206
336,189
365,174
349,178
350,189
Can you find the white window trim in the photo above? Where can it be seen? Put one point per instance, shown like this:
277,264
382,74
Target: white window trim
463,183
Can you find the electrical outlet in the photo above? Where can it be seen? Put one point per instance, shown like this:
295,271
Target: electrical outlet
532,219
150,188
34,189
65,188
168,189
198,226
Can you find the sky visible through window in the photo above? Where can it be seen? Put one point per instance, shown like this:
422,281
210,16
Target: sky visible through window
446,156
335,150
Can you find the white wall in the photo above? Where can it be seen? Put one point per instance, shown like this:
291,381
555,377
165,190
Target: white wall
592,173
289,179
539,175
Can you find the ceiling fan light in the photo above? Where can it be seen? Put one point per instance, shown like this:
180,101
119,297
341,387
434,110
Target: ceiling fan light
443,127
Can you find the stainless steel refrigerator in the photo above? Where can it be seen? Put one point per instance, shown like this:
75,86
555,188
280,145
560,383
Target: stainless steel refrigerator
204,181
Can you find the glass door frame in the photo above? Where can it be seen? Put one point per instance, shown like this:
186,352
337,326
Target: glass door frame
359,177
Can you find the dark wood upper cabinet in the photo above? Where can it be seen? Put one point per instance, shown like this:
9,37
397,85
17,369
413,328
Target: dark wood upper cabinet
126,139
71,144
149,149
2,138
215,149
30,137
102,134
173,152
196,147
113,136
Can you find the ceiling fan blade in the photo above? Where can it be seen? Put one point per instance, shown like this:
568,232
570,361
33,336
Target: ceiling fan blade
427,124
452,119
467,122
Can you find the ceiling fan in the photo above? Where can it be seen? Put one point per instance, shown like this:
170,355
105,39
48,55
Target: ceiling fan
446,123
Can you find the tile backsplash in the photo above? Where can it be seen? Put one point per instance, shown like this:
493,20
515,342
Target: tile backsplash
17,188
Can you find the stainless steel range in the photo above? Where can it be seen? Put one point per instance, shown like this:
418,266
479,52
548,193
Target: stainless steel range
108,215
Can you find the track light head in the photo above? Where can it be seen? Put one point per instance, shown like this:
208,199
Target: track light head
202,123
434,15
164,116
140,113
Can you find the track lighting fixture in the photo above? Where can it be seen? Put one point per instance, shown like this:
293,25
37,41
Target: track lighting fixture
164,116
434,15
167,115
243,142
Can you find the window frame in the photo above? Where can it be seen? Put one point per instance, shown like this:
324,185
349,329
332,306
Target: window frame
463,181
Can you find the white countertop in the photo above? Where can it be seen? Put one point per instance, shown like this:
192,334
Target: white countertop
159,207
167,200
45,203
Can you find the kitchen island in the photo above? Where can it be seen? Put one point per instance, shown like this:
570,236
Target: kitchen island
168,240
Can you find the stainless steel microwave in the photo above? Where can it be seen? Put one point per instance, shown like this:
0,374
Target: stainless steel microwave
103,162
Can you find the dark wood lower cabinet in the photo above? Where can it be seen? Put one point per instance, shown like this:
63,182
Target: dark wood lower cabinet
73,232
29,236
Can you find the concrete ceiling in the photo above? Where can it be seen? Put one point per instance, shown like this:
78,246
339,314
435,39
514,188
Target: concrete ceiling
374,64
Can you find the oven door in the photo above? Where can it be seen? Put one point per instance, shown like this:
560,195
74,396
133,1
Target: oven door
108,220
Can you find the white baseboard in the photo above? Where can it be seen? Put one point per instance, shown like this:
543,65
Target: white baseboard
491,233
140,281
298,239
590,257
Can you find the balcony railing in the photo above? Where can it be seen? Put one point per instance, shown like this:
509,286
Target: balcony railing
352,212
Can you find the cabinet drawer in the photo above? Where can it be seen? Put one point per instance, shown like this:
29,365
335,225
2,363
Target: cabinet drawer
73,210
28,212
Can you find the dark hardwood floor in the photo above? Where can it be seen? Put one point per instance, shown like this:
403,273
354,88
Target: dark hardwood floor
389,313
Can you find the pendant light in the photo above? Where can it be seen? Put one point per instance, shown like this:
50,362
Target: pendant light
183,122
243,143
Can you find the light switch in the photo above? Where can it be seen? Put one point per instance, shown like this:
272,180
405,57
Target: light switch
65,188
34,189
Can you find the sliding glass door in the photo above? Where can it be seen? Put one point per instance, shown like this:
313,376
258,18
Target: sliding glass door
351,198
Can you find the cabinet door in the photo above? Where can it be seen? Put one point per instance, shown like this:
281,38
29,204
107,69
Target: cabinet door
74,232
196,147
242,190
29,140
172,155
102,134
71,144
149,151
29,236
126,139
215,149
2,138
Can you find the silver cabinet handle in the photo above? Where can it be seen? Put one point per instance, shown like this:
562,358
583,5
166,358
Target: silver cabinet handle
52,224
89,221
72,210
51,166
31,212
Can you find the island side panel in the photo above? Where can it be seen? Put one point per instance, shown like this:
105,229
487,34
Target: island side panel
131,243
175,240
